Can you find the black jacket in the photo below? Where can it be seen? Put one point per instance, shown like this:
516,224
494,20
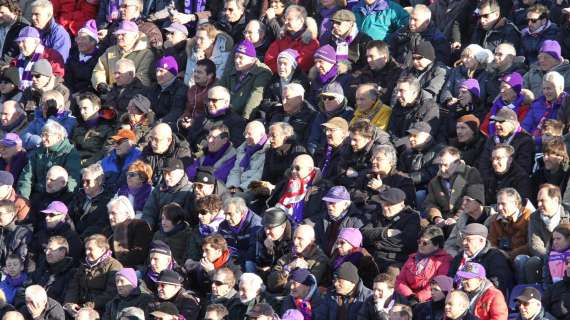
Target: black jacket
274,91
300,121
403,41
187,302
168,104
420,164
452,18
201,126
503,31
424,109
15,239
515,177
432,79
361,194
54,278
178,149
524,147
356,48
78,74
279,160
386,78
354,302
338,154
93,219
471,150
119,97
264,258
64,229
11,49
430,310
556,299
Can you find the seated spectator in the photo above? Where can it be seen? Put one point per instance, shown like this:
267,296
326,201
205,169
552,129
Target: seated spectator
419,161
15,278
177,233
211,44
557,255
126,86
16,238
253,297
165,310
139,119
553,168
348,247
87,313
223,292
477,249
288,72
370,107
31,51
128,294
13,157
401,311
170,289
382,299
175,40
488,301
163,146
555,298
218,112
210,214
219,154
9,84
453,181
300,35
347,283
55,150
88,207
197,95
13,119
82,58
256,32
379,19
239,229
205,184
273,240
339,213
493,27
39,305
303,291
470,140
93,281
52,34
56,271
434,308
549,59
431,260
159,259
336,146
530,306
233,18
411,106
15,21
457,306
93,129
138,186
305,254
53,107
506,173
130,238
506,62
217,311
250,158
174,187
300,192
390,236
246,79
123,153
328,74
539,29
8,192
467,101
130,45
170,92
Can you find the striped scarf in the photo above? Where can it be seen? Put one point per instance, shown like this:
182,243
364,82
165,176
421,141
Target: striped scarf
25,66
294,195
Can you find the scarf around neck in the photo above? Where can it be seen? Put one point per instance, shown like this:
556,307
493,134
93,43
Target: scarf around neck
212,227
293,199
106,256
24,66
140,195
331,74
499,104
211,158
250,150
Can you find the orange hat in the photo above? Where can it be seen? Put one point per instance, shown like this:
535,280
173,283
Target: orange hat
125,134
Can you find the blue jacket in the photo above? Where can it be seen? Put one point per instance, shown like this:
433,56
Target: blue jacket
115,175
31,136
10,288
537,110
531,43
380,24
317,136
242,242
360,296
54,36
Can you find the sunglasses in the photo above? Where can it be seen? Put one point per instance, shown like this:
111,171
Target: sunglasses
214,100
51,214
36,75
486,15
133,174
218,283
203,212
327,98
424,243
534,20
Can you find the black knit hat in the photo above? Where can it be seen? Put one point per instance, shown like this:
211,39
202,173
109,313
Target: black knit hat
424,49
347,271
159,246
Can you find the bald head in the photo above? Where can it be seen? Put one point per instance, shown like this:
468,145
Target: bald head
302,166
56,179
303,238
160,138
456,303
36,300
10,112
13,315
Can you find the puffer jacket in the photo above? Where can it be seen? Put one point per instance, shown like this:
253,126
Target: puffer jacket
380,23
55,278
240,242
56,37
33,176
490,303
533,78
355,302
362,259
524,147
72,15
503,31
16,240
274,90
115,168
91,141
240,177
222,49
182,193
413,281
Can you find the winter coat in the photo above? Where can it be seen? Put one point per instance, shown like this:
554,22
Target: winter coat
277,161
187,302
55,278
539,111
558,177
178,149
523,156
119,96
368,311
115,168
142,57
386,78
274,90
198,132
355,302
531,43
378,115
420,164
430,310
504,230
362,194
94,284
533,78
455,78
32,178
471,150
182,193
338,154
56,37
424,109
494,76
72,15
31,136
318,305
168,103
556,299
241,177
503,31
93,218
391,250
52,311
362,259
178,240
16,240
52,56
496,263
130,242
466,181
452,18
300,121
221,51
515,177
136,299
413,281
264,258
403,42
221,167
356,48
65,229
539,236
317,136
380,23
432,79
490,304
240,242
454,242
78,73
306,50
340,77
91,141
10,48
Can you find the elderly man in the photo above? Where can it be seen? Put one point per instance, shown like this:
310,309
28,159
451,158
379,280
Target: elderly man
252,294
12,22
391,235
52,34
288,72
56,223
348,288
56,189
12,117
43,80
305,254
55,150
457,306
446,190
506,173
370,107
174,44
476,248
174,187
329,155
40,306
297,36
219,154
296,111
506,62
169,289
260,36
13,157
250,158
273,240
123,153
169,95
239,229
339,213
549,59
247,79
303,285
420,28
82,58
223,292
16,238
530,305
127,85
129,46
493,28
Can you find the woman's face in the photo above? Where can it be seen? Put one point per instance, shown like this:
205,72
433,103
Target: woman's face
559,242
134,180
167,225
464,133
464,96
469,62
550,91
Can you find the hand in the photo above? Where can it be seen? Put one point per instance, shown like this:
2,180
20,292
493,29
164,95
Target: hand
204,15
268,185
270,14
72,308
449,221
375,184
103,88
393,232
102,34
183,18
351,173
456,46
207,265
200,55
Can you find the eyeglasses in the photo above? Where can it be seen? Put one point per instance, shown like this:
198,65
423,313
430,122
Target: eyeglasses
124,6
327,98
533,20
218,283
203,212
36,75
424,242
417,57
296,168
486,15
133,174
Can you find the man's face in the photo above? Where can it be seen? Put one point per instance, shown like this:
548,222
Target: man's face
252,33
341,28
418,21
300,169
299,290
418,139
275,233
87,109
358,141
129,10
488,17
284,68
405,95
243,62
470,285
276,137
166,290
201,76
173,177
464,133
159,262
54,253
363,100
506,206
503,58
85,44
330,102
159,142
117,215
335,209
454,308
28,46
210,253
323,66
420,63
294,21
173,38
126,41
232,12
469,205
6,16
93,251
253,135
8,115
203,189
343,247
381,291
447,165
40,17
335,136
504,128
343,287
220,286
547,205
472,244
550,90
233,215
124,287
292,101
163,76
216,101
535,20
122,147
54,218
123,75
376,59
301,241
247,292
14,267
546,62
391,210
528,310
54,182
39,80
216,140
380,164
501,161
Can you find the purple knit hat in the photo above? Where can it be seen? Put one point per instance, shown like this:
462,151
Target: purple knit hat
129,274
515,80
246,48
290,54
472,85
90,28
352,236
552,47
326,53
292,314
28,33
168,63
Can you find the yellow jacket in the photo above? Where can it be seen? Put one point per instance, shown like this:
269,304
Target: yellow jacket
378,115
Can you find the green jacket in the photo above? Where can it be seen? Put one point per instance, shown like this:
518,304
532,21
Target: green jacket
246,94
91,142
33,176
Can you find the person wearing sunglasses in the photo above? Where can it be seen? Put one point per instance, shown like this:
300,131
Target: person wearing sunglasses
494,29
223,290
539,28
511,95
329,73
57,223
138,186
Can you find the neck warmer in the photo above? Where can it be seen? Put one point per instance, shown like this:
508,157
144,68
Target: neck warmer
24,65
353,257
212,227
250,150
222,260
499,104
140,195
153,276
510,138
212,157
331,74
292,201
102,258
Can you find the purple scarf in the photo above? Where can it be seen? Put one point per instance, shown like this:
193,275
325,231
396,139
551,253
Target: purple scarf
353,257
238,229
153,276
103,258
208,229
328,157
219,112
498,105
211,158
250,150
113,10
191,6
329,75
140,195
379,5
24,66
326,14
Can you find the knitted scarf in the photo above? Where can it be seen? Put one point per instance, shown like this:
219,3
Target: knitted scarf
250,150
153,276
499,104
328,157
557,264
211,158
327,77
292,201
304,306
342,44
212,227
102,258
140,195
221,261
550,111
537,32
24,66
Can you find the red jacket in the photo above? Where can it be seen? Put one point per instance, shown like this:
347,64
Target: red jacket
53,57
491,305
306,52
409,281
72,14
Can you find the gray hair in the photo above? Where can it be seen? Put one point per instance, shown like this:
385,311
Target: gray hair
124,204
389,152
128,63
296,88
511,193
298,8
413,82
237,202
223,90
53,127
251,279
554,77
131,312
261,25
424,10
285,128
43,4
95,169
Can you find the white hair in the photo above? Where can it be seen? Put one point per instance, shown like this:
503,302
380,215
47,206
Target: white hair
307,230
237,202
251,279
128,63
95,169
297,88
36,293
44,4
556,78
53,127
124,204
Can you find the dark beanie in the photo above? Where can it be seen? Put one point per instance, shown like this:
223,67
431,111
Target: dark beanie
347,271
425,49
471,121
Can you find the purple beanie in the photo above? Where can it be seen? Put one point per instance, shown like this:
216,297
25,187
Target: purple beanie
129,274
326,53
472,85
552,47
292,314
246,48
515,80
352,236
90,28
168,63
